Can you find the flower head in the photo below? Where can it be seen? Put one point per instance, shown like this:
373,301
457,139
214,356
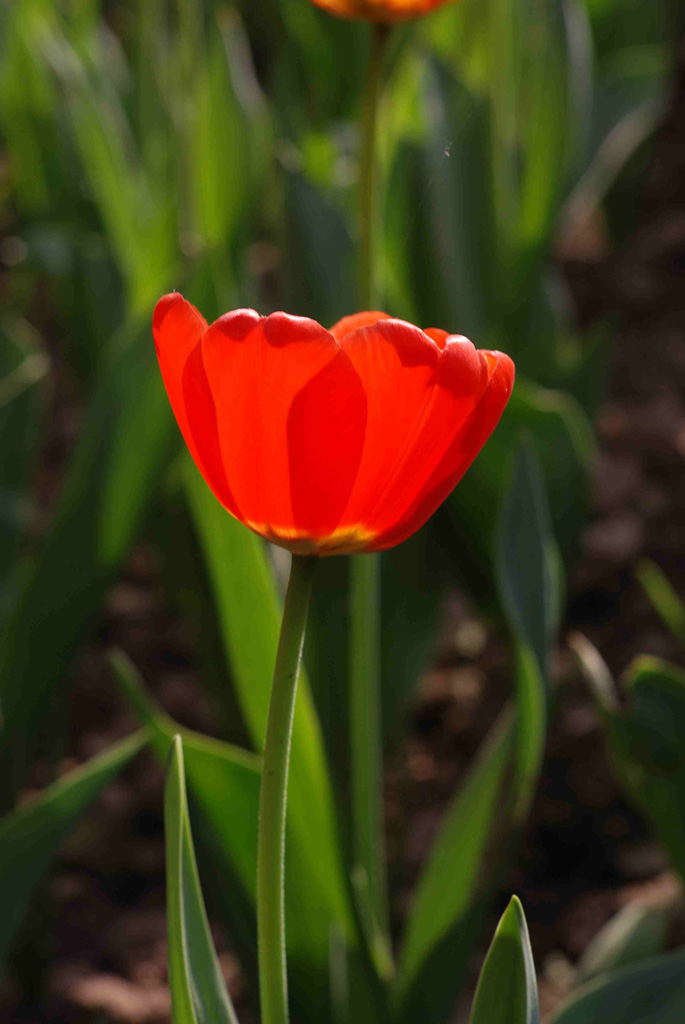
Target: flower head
328,442
380,10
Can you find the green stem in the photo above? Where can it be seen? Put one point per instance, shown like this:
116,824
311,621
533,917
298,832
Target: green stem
367,169
366,748
273,985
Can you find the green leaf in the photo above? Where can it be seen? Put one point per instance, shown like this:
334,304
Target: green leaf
455,878
198,992
28,107
527,565
637,932
136,213
220,131
644,735
507,990
31,835
651,993
655,718
663,597
526,559
23,366
647,747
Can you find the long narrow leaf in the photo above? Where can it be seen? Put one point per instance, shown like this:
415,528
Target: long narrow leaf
527,566
198,991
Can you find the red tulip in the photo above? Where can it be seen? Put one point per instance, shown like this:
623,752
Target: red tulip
380,10
329,442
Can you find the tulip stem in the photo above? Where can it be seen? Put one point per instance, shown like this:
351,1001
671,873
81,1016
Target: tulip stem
367,169
273,985
366,744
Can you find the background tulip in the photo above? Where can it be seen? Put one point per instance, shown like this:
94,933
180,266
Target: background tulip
380,10
328,442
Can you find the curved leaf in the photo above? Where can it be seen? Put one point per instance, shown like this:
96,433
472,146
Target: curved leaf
653,993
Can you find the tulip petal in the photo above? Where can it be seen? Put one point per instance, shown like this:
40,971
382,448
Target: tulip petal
178,328
326,431
291,412
379,10
438,336
397,364
355,320
459,382
461,452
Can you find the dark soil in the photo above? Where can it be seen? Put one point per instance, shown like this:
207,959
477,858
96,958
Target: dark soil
586,853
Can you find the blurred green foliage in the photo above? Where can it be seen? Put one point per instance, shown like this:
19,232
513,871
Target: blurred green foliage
210,147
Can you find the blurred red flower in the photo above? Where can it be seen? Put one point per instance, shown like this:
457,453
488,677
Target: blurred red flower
330,442
380,10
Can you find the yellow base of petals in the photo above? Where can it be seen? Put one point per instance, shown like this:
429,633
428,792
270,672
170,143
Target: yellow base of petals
347,541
